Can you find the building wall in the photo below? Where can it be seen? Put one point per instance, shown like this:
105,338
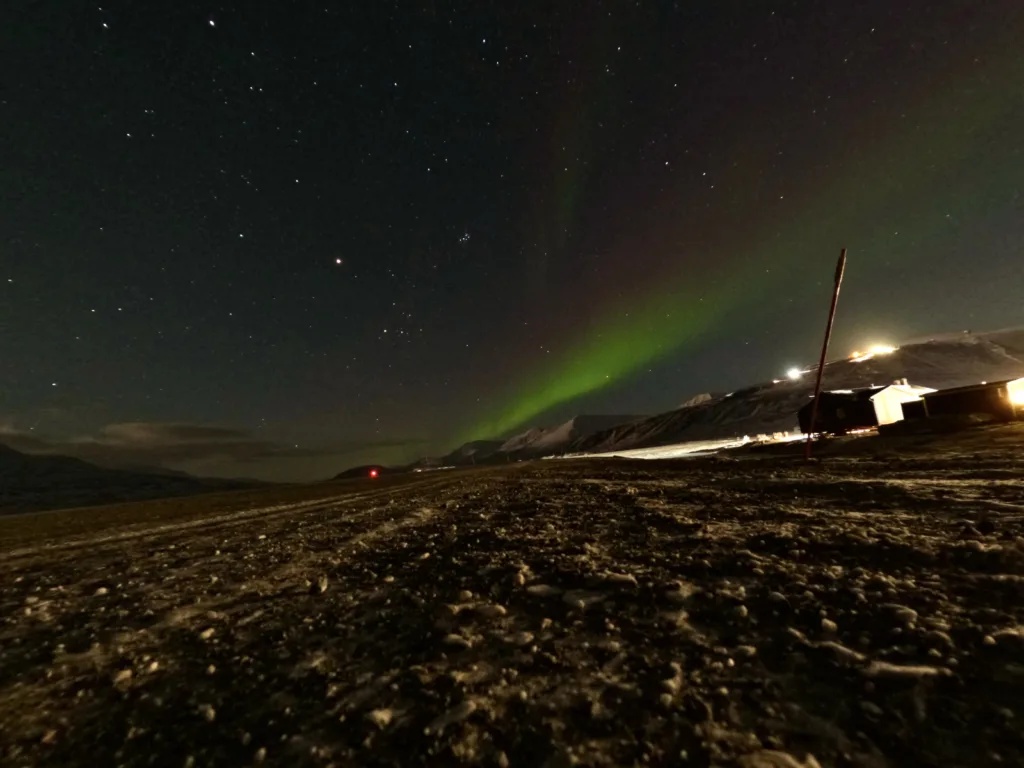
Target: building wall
993,400
889,402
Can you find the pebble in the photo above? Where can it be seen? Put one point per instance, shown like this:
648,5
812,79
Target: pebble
740,612
101,591
902,613
522,638
490,611
581,599
770,758
543,590
260,756
211,670
208,712
320,585
380,717
122,677
1009,634
872,709
829,626
207,633
885,669
456,714
465,596
620,579
457,641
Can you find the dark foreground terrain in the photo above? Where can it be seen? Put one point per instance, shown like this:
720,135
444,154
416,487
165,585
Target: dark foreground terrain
867,610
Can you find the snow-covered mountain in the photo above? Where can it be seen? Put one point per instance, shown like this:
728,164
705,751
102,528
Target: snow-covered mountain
548,440
949,360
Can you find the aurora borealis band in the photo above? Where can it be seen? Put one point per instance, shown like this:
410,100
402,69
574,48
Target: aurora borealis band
271,243
936,158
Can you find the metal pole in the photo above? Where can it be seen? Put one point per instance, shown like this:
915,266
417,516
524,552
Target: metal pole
840,268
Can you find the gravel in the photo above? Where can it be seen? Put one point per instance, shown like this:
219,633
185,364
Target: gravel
754,613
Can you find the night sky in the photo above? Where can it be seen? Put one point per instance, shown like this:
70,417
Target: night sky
276,239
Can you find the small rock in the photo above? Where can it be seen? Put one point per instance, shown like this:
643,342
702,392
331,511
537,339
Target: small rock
522,638
620,579
740,612
490,611
829,626
465,596
885,669
1009,635
211,670
101,592
770,758
49,737
208,712
456,714
319,586
581,599
207,633
543,590
842,653
122,677
380,717
872,709
457,641
260,756
902,613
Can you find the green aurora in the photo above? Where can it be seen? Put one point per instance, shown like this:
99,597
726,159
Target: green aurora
917,168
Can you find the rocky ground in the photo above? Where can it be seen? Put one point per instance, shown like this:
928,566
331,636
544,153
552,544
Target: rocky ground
867,610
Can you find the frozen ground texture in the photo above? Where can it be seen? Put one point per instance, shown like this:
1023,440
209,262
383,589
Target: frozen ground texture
867,610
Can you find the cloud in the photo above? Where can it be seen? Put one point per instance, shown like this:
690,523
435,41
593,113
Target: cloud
162,444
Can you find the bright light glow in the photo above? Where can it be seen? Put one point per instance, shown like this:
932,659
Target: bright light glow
877,349
373,473
1016,392
794,373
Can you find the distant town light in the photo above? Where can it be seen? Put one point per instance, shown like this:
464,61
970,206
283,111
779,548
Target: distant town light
876,349
794,373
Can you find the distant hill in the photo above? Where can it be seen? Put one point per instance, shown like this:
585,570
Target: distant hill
538,441
948,360
365,470
31,483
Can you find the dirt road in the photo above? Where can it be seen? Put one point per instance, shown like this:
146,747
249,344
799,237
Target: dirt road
753,612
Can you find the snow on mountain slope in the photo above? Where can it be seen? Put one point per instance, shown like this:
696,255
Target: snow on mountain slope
951,360
541,440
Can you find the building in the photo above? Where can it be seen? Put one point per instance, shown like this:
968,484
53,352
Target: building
841,411
889,402
1001,400
847,410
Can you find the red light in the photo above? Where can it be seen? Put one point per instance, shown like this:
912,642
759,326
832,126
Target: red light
373,473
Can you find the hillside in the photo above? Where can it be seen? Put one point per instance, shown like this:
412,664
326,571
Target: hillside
534,442
31,483
950,360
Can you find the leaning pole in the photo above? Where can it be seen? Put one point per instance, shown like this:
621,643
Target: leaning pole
840,268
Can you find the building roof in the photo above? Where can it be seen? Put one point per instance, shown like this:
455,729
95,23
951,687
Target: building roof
973,387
